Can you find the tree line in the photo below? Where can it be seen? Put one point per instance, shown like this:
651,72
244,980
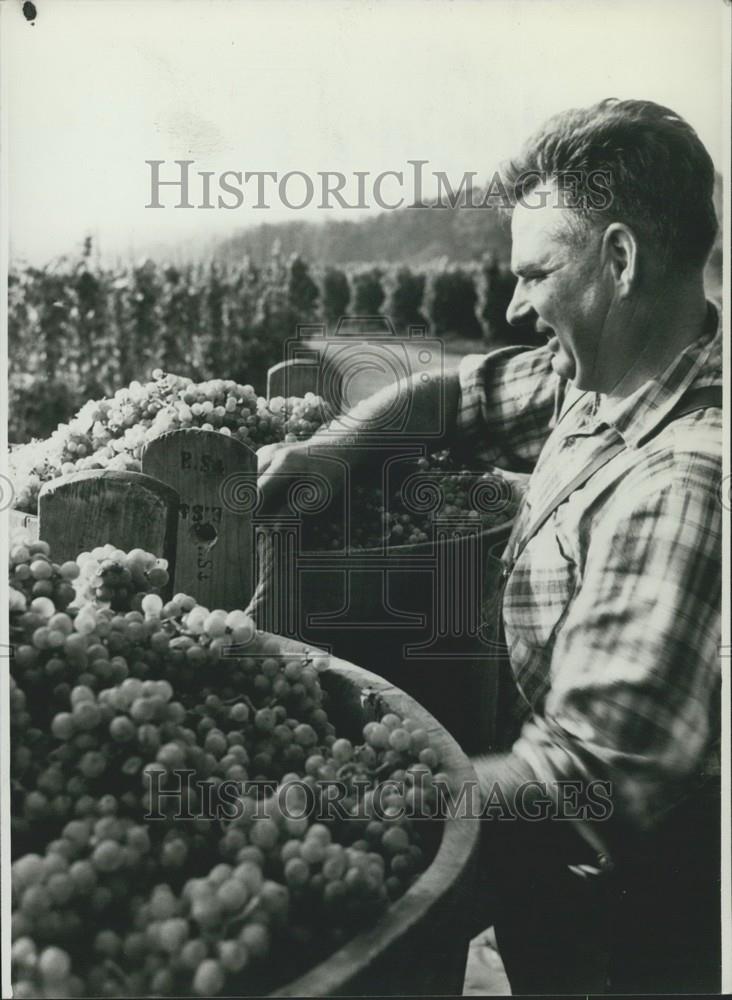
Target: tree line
80,330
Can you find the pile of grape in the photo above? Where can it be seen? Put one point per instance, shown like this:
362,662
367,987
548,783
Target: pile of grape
111,433
174,829
121,579
436,490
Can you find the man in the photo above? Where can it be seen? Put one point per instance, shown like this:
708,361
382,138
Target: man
611,607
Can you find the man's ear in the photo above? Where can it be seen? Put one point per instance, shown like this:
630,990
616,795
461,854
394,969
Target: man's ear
620,252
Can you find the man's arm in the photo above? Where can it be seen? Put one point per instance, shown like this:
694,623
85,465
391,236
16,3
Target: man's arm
414,401
635,669
502,404
503,772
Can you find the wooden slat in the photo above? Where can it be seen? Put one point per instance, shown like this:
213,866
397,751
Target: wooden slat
215,477
96,507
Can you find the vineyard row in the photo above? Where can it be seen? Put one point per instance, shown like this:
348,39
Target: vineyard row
78,330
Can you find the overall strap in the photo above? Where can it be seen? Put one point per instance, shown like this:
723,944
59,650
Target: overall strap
701,398
514,551
697,399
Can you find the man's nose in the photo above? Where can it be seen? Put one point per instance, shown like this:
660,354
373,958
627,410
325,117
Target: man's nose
519,308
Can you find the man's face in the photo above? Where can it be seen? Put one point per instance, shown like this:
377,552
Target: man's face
561,286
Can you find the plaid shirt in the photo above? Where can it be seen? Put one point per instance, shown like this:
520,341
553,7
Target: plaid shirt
612,612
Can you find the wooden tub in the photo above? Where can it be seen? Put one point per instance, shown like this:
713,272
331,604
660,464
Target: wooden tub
422,615
420,945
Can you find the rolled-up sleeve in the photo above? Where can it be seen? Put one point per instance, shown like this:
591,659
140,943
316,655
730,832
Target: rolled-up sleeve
508,404
635,671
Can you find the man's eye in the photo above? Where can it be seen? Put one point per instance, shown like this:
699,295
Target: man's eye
532,276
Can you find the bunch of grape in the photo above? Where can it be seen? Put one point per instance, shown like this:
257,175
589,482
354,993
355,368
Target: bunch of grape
108,703
120,579
78,884
466,500
112,433
217,926
33,576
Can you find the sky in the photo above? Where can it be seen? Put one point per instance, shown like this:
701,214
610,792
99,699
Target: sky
94,88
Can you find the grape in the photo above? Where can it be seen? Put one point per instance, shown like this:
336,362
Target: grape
385,519
312,852
233,955
334,867
264,834
193,953
215,624
54,966
256,939
86,715
152,605
171,756
122,729
297,873
249,869
43,606
305,735
28,870
112,706
429,757
209,978
376,735
175,853
395,840
173,934
111,433
399,740
265,719
342,751
320,834
239,713
41,569
107,856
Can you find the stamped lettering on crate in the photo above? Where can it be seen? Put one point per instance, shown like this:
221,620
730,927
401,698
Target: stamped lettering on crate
215,551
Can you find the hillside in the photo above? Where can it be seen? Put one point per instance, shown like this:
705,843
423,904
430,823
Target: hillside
410,236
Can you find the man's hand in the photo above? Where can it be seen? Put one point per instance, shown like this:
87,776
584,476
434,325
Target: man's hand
283,467
266,453
339,446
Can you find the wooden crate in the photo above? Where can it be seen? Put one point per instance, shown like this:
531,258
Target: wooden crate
214,478
100,506
22,527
